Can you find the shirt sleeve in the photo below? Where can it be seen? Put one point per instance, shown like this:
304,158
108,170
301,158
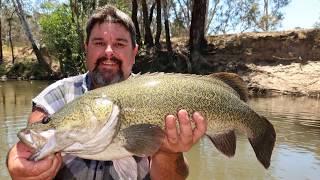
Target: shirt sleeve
52,98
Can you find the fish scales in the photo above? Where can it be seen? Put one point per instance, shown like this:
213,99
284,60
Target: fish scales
127,118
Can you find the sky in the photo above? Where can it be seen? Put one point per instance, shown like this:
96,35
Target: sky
301,13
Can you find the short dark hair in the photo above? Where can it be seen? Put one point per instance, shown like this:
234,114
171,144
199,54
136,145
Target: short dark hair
111,14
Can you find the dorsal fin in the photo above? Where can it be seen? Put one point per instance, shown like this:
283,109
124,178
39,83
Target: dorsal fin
235,82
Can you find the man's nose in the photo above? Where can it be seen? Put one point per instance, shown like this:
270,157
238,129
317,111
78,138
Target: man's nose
109,51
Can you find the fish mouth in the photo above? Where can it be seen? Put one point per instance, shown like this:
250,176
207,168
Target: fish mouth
33,139
26,137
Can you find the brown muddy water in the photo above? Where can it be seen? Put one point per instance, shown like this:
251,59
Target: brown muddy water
296,155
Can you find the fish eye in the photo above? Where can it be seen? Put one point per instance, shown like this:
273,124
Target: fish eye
45,120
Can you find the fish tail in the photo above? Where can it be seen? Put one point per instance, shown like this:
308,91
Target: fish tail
263,144
225,142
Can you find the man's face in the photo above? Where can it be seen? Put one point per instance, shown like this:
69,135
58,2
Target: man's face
110,54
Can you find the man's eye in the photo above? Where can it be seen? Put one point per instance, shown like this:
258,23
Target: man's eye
99,43
119,45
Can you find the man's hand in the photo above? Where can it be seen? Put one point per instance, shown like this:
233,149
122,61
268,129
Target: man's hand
168,163
182,139
20,167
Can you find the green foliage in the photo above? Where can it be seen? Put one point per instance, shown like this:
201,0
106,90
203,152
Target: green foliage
27,70
2,69
60,36
123,5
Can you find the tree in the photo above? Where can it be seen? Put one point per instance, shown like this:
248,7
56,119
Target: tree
166,25
148,39
135,20
197,39
60,36
225,15
10,37
317,24
271,14
36,49
1,51
159,25
76,18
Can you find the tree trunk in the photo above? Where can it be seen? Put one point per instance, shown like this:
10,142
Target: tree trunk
76,18
10,38
135,20
166,25
39,55
266,16
159,26
151,12
148,39
1,52
197,40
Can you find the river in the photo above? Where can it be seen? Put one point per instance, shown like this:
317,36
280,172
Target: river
296,155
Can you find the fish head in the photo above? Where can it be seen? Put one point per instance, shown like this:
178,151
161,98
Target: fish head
74,129
35,137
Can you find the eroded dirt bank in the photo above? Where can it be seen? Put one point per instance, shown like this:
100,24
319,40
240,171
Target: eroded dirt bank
272,63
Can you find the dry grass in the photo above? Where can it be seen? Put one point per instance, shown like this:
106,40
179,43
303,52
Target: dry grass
21,54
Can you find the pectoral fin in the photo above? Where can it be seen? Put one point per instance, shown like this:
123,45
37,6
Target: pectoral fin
143,139
225,142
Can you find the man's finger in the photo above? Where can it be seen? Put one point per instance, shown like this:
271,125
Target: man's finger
171,129
50,172
42,166
185,127
23,151
60,160
201,126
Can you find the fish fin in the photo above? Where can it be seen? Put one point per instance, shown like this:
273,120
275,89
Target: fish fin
225,142
235,82
125,168
264,144
143,139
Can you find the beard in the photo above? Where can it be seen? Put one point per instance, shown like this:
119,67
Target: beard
106,76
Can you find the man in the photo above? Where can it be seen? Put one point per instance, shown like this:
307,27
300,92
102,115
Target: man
110,55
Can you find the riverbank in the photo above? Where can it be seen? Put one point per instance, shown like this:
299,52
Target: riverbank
273,63
292,79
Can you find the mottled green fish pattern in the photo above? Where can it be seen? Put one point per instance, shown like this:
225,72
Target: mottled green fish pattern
127,118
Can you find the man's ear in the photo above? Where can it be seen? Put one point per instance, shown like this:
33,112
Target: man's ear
135,52
136,49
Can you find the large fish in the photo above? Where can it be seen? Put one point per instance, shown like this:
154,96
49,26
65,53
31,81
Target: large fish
126,118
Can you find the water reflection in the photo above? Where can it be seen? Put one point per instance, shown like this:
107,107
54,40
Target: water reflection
15,106
296,154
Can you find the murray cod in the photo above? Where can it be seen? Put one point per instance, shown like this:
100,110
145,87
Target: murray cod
127,118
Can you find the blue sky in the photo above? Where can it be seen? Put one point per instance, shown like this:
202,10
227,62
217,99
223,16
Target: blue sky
301,13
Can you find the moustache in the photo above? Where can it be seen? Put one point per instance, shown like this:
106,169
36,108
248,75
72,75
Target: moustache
113,59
